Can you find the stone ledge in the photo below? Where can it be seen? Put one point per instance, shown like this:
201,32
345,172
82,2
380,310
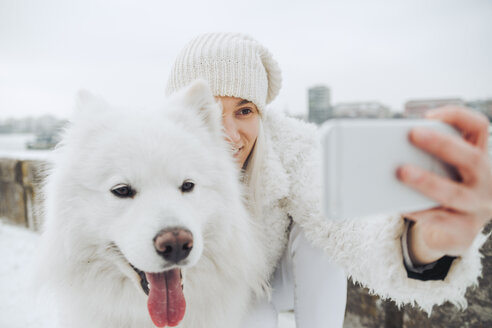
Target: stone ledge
20,183
368,311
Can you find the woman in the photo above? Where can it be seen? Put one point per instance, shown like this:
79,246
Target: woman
391,255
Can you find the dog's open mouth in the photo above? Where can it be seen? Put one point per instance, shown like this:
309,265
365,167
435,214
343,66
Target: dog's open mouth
166,303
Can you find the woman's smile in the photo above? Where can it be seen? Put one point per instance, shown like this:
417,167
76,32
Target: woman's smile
240,118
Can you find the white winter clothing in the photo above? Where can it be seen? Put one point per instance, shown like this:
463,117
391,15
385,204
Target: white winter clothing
233,64
307,282
368,249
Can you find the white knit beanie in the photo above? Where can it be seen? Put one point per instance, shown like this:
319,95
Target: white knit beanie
234,65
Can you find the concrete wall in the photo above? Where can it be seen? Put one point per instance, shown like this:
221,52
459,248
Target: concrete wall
20,199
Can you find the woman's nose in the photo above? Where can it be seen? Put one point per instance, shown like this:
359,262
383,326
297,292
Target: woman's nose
231,130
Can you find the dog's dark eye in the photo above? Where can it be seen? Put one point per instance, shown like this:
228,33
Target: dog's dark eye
123,191
187,186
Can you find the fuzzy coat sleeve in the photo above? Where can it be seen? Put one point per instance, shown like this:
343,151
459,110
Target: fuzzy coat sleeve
369,249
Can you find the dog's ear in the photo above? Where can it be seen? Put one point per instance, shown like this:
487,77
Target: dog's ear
199,98
88,102
91,113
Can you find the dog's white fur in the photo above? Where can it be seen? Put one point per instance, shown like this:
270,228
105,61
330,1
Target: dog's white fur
90,235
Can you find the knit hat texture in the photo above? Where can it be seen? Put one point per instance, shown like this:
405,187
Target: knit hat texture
234,65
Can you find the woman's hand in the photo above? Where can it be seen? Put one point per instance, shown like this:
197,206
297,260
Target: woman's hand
466,206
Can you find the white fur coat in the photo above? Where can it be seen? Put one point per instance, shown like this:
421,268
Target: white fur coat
369,250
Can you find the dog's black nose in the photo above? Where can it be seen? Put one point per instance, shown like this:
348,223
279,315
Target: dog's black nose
173,244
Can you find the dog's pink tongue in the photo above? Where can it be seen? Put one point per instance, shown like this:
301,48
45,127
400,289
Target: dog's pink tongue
166,302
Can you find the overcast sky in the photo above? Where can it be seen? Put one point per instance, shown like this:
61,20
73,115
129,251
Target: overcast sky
387,51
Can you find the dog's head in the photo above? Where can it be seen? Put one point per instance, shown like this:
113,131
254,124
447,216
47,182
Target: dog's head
149,185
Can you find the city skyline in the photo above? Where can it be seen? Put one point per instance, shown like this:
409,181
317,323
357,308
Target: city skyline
305,115
363,51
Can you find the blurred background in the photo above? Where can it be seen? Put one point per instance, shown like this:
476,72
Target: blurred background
363,51
348,58
374,59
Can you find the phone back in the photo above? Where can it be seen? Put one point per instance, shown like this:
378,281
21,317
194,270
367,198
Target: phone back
360,159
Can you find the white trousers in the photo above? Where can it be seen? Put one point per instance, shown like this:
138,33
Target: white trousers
307,282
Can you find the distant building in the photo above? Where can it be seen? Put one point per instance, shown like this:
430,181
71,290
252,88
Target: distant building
37,125
369,109
483,106
417,108
319,104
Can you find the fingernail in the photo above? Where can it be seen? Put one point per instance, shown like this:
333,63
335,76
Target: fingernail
422,135
411,174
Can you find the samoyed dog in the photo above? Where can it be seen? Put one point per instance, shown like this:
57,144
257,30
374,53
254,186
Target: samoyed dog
144,219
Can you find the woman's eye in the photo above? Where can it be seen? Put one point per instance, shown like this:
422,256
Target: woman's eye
123,191
187,186
245,111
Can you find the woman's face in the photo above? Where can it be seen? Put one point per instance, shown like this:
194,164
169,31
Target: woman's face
240,118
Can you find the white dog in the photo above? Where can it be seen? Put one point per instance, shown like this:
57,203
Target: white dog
145,223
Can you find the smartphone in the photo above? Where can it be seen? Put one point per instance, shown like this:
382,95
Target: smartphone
360,160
